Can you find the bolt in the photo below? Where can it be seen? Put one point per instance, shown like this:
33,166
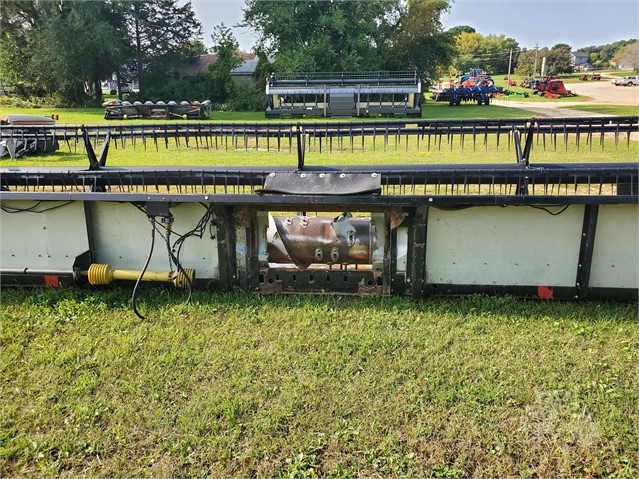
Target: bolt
374,175
343,175
430,200
272,175
322,175
303,175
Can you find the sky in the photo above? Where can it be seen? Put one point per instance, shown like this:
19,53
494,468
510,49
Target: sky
579,23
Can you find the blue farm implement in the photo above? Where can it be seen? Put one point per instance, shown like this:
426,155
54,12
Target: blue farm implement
454,96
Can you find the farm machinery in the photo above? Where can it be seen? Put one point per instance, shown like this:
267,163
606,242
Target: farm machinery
476,86
125,110
548,87
545,230
18,146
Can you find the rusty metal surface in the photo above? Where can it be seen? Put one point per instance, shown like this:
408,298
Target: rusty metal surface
305,240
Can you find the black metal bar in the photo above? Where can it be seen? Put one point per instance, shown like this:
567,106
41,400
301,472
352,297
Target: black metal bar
388,273
613,125
591,213
226,246
300,147
416,264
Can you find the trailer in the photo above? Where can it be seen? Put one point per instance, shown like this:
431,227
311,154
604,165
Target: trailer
344,94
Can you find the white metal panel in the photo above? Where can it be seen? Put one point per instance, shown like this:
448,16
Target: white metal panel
615,256
515,245
50,240
122,239
402,249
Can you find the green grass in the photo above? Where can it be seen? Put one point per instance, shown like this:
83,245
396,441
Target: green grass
240,385
617,110
621,74
431,110
396,152
243,385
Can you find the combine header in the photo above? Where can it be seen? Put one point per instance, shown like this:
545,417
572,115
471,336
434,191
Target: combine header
537,230
124,110
23,143
396,94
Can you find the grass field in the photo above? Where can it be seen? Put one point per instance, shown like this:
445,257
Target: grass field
344,154
431,110
434,150
618,110
239,385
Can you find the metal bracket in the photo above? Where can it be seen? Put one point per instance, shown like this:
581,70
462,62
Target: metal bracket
324,184
95,163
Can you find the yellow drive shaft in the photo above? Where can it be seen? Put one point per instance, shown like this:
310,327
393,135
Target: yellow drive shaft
102,274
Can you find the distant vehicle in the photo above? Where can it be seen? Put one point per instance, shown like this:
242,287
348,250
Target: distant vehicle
626,81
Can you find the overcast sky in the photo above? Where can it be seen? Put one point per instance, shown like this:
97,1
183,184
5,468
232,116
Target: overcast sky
579,23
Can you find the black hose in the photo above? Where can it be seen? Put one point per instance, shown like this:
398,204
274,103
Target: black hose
146,265
176,260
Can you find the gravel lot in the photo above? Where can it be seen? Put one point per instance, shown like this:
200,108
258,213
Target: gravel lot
601,92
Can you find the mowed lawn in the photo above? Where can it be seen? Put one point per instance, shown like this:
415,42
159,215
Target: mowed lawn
430,110
241,385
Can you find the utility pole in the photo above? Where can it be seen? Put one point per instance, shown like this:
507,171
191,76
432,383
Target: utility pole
535,67
510,62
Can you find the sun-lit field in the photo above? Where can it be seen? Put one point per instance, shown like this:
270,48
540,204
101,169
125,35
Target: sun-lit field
298,386
242,385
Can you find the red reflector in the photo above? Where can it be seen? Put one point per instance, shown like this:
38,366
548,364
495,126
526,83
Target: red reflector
52,281
544,292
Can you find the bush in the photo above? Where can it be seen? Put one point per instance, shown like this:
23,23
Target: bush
246,98
15,101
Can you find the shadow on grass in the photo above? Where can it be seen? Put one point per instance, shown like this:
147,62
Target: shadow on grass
155,298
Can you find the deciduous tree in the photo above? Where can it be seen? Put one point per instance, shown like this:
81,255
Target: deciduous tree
160,32
323,35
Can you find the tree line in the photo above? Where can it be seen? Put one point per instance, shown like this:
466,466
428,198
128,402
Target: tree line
66,48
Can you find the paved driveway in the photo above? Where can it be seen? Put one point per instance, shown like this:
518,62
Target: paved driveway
601,92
